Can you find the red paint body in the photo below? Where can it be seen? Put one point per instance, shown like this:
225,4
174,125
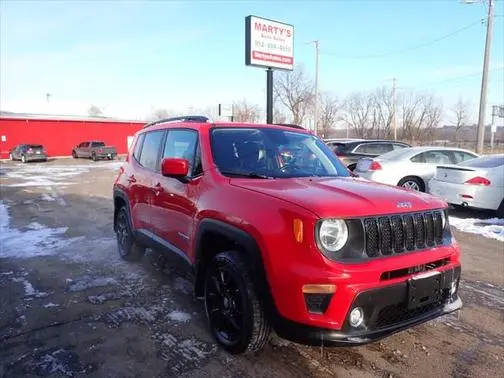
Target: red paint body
266,209
60,136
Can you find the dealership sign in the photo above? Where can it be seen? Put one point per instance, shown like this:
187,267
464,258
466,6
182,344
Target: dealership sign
269,43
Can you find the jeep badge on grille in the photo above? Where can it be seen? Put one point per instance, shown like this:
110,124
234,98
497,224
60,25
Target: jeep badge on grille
404,205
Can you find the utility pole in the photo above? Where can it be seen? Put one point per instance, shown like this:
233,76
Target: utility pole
394,126
316,86
484,79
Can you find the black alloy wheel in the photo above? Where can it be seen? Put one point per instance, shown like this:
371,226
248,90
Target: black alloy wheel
236,317
126,245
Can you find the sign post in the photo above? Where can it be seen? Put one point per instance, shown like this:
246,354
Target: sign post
269,44
497,111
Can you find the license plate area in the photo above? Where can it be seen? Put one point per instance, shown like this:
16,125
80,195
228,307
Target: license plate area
424,289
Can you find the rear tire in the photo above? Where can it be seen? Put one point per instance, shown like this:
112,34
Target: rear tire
74,155
236,316
128,248
413,183
93,157
500,210
23,159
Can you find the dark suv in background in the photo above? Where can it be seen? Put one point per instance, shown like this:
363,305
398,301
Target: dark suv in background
28,152
351,150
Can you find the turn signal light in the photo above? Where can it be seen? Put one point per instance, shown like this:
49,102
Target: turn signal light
478,180
319,289
298,230
375,166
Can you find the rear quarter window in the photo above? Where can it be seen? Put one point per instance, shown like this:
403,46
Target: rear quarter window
138,147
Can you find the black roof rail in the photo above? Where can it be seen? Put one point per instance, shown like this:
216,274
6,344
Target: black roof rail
290,125
188,118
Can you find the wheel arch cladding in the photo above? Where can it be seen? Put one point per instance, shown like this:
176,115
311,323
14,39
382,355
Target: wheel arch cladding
215,236
120,200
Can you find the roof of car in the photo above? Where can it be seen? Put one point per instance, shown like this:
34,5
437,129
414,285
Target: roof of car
196,125
409,152
363,141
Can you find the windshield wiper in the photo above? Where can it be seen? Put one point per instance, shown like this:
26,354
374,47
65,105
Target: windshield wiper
246,174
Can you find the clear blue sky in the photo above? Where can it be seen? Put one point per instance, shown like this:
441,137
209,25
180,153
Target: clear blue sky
133,57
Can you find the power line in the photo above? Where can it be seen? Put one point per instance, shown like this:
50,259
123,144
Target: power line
425,44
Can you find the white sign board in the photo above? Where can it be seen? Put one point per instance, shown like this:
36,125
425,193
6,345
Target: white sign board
269,43
4,138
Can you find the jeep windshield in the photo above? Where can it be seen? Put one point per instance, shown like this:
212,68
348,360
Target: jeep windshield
262,153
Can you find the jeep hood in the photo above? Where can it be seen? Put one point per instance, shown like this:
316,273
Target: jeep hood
342,196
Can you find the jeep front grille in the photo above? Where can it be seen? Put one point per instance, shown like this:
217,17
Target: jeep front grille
400,233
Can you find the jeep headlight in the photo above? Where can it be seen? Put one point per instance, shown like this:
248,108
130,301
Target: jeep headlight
333,234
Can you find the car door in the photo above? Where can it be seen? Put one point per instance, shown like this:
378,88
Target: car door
144,166
82,150
175,200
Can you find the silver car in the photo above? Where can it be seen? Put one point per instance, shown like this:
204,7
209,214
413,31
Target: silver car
477,183
410,168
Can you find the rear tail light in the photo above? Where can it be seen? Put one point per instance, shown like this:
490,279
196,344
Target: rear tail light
478,180
374,166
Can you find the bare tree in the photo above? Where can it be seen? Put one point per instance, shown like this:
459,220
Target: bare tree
160,113
95,111
294,90
461,116
329,114
245,112
383,112
420,116
358,115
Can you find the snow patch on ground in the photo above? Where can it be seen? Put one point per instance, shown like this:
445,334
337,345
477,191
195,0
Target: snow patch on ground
50,304
179,316
36,240
89,282
489,228
30,291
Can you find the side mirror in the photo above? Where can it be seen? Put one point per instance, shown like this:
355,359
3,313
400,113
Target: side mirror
174,167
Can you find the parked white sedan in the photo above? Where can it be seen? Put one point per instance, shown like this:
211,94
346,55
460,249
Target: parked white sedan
476,183
411,168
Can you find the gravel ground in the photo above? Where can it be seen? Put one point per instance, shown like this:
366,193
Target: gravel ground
69,306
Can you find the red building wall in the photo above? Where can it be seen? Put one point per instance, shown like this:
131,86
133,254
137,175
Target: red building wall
60,136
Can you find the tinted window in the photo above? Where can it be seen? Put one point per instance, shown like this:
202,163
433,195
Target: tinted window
138,147
433,157
182,144
150,149
98,144
398,146
85,144
273,153
486,162
338,148
374,148
460,156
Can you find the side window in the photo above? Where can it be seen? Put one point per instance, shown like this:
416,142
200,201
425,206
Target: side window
138,147
85,144
437,157
420,158
398,146
460,156
362,149
183,144
150,149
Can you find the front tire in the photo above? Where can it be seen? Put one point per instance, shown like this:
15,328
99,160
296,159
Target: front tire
413,183
236,317
23,159
74,155
128,248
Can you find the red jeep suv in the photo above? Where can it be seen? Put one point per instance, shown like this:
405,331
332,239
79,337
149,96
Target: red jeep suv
279,234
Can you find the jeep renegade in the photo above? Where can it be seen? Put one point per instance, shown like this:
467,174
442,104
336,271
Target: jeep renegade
279,234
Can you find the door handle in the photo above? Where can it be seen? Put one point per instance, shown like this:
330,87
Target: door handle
131,179
157,189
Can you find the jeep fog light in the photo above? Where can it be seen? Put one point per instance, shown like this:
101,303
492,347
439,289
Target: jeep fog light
333,234
356,317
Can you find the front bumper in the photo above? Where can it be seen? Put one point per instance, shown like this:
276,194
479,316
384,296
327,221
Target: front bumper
387,311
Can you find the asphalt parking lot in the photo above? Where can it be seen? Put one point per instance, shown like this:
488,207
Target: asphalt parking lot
69,306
